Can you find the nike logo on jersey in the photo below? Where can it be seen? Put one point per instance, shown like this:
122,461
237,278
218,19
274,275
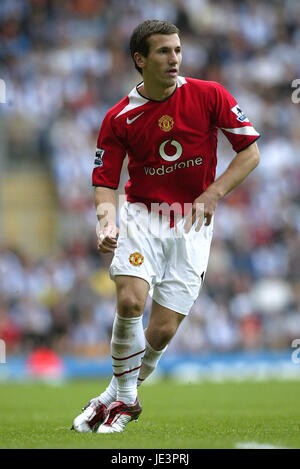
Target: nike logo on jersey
129,121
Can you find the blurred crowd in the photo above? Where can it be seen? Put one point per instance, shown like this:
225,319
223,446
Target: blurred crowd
65,63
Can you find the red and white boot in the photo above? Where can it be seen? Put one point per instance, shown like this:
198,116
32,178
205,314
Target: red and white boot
93,415
119,415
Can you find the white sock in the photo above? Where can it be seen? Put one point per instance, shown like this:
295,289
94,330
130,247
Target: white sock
127,349
110,393
150,361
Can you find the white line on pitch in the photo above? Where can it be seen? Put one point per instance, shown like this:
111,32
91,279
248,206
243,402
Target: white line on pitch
256,445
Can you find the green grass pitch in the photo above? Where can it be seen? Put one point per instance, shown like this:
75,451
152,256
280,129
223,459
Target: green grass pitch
175,416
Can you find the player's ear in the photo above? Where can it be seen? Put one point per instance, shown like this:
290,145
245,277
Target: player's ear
139,60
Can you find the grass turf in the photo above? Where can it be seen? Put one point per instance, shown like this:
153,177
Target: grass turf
175,416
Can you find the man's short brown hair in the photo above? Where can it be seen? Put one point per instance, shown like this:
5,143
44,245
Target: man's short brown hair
139,38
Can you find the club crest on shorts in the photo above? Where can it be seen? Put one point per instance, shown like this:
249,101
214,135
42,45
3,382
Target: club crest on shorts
166,123
136,259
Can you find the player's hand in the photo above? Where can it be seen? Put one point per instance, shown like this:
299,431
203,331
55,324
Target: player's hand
107,238
203,208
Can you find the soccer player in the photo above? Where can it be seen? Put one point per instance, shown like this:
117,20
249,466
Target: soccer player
167,126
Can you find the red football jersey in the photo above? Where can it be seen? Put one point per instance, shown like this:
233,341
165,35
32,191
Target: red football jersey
171,144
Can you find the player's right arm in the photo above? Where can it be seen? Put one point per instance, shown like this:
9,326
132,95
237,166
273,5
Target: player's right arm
106,177
106,210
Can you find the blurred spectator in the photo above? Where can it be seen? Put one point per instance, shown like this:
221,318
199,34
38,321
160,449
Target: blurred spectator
43,363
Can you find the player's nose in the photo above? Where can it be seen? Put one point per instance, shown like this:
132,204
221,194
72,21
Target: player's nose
173,58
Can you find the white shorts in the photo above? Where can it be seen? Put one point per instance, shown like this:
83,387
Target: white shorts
171,261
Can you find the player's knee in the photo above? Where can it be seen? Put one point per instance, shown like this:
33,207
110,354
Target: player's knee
129,305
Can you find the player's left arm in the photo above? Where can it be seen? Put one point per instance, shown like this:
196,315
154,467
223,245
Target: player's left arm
240,167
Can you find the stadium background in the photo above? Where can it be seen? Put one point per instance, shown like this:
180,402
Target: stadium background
65,63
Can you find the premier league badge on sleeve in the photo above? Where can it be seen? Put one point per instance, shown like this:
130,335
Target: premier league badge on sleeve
98,157
240,116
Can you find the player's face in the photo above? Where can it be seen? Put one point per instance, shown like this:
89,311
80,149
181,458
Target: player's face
163,60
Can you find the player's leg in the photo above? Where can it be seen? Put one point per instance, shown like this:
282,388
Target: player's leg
162,326
128,339
131,292
127,348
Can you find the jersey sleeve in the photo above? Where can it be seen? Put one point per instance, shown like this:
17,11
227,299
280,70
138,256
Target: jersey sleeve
229,117
109,157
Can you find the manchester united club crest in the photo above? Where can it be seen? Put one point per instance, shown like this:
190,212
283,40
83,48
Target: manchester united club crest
166,123
136,259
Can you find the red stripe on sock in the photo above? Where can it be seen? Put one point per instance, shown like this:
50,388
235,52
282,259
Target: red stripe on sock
129,371
130,356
